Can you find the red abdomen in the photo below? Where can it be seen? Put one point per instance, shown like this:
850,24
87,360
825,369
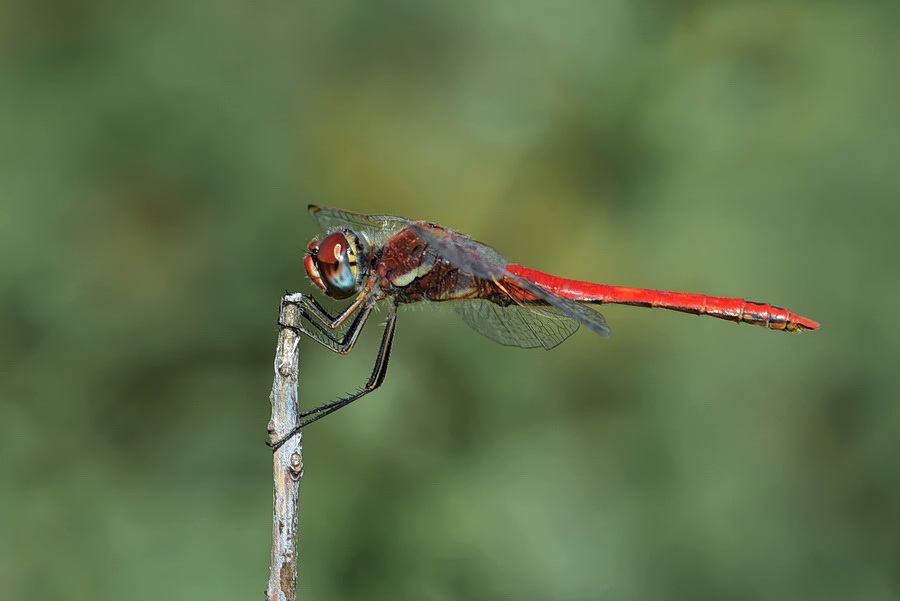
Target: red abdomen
732,309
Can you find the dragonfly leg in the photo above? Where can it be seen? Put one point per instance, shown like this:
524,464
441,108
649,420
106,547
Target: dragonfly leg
311,307
375,380
342,344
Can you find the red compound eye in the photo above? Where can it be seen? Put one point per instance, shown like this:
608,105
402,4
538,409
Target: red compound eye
332,249
334,261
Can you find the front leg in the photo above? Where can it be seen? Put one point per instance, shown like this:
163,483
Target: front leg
339,344
311,307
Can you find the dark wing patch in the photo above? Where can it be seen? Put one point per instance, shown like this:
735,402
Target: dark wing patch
464,253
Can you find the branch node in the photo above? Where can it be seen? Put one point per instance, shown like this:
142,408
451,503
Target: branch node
296,463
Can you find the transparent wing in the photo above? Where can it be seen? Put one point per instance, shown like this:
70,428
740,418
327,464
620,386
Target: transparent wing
376,227
525,326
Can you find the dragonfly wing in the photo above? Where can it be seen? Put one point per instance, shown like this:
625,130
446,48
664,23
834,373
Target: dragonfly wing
482,261
582,313
525,326
378,227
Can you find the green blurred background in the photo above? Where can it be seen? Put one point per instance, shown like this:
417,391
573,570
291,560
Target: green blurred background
155,167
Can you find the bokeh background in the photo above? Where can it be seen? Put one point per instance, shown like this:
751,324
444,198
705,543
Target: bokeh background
155,167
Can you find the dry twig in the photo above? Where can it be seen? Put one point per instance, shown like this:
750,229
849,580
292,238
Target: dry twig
287,459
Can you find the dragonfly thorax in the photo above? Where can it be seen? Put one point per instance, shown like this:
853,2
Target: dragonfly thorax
333,263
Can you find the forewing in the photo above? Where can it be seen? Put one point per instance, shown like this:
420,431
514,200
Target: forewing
525,326
377,228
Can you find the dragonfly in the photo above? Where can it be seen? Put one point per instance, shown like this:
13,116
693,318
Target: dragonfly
400,261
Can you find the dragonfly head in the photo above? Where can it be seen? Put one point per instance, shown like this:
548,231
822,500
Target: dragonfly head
333,263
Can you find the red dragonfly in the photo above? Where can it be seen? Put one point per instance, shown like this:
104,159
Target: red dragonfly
370,258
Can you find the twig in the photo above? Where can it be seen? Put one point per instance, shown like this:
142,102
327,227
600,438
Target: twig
287,460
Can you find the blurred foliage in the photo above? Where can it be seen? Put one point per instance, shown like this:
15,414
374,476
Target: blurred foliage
156,164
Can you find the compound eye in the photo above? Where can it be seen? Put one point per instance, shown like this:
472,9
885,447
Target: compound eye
335,258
